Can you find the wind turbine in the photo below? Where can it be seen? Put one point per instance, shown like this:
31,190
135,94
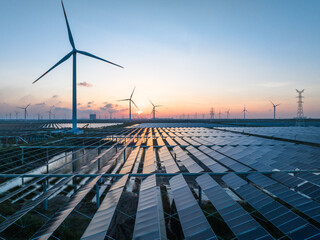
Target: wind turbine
244,112
73,53
50,112
154,109
228,112
25,111
274,109
110,112
130,101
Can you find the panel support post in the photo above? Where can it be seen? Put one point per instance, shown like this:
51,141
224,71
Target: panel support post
45,203
200,196
97,195
47,161
22,160
99,159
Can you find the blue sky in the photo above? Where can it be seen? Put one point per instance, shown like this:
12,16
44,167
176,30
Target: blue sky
186,55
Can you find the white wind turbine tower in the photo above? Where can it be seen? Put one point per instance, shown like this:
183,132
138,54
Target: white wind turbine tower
228,113
50,112
110,112
73,53
130,101
244,112
25,111
274,109
154,109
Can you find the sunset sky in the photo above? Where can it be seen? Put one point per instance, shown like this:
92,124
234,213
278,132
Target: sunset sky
188,56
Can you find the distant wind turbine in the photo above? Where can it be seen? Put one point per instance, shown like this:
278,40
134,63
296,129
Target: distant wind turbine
154,109
130,101
274,109
50,112
73,53
228,112
244,112
25,111
110,112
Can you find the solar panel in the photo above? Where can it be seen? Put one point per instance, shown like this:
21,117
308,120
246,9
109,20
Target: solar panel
149,161
194,223
160,141
127,167
233,180
242,223
291,197
149,223
284,219
50,226
187,161
313,178
99,225
168,161
209,162
171,142
181,141
32,204
261,180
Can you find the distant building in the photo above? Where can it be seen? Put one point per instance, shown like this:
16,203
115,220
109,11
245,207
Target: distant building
93,116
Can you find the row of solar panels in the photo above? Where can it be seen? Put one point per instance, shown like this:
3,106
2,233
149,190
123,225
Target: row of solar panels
47,229
281,185
285,156
261,194
307,134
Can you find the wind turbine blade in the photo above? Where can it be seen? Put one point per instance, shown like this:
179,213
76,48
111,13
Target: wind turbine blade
58,63
272,103
69,31
93,56
134,104
151,103
158,105
132,92
123,100
20,107
28,105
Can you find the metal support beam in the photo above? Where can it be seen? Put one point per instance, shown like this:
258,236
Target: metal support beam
140,174
98,195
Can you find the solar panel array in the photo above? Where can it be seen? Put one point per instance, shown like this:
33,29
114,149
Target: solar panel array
186,183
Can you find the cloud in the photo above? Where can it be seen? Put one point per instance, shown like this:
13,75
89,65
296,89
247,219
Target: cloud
55,96
57,109
84,84
112,108
91,102
40,104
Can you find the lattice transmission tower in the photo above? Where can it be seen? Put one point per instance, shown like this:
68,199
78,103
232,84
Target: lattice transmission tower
300,114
